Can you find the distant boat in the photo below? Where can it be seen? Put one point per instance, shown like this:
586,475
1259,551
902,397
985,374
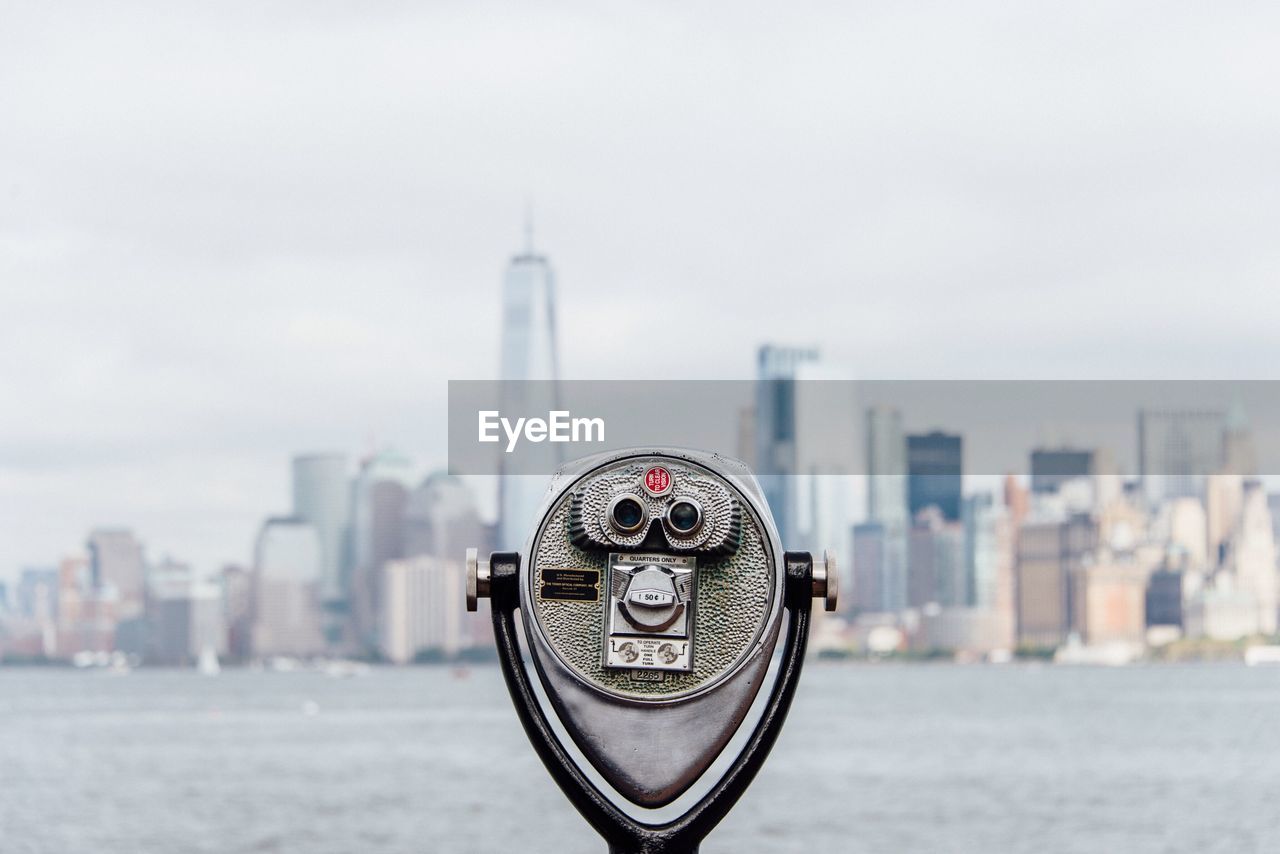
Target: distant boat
1257,656
208,664
341,669
1112,654
111,662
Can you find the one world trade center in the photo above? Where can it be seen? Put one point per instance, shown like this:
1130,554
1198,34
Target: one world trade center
530,372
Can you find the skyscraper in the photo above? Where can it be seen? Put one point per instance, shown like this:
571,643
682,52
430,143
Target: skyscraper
184,615
1051,552
1164,598
287,566
868,567
1177,450
1239,456
776,431
1050,468
988,553
36,595
441,519
886,512
886,466
380,496
116,561
934,464
1255,557
322,498
936,561
237,609
86,613
442,522
529,355
1224,500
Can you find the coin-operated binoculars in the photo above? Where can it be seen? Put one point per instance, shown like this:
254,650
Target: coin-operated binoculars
652,594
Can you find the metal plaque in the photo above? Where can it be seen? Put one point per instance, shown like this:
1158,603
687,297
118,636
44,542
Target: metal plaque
570,585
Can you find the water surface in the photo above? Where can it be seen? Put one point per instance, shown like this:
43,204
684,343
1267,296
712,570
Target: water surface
874,758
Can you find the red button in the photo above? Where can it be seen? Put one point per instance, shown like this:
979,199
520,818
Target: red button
657,481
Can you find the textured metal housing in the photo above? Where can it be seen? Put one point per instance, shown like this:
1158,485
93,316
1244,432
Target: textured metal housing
652,740
738,592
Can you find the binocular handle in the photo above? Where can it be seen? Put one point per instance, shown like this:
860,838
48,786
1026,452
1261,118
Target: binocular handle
477,579
824,578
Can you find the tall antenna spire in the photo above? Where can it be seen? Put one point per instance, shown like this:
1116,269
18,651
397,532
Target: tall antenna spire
528,226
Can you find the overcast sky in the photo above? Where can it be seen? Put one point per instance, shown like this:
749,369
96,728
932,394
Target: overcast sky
230,233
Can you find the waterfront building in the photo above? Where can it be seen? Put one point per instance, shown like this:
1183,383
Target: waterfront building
1222,612
421,612
965,629
286,606
1050,551
237,606
1254,557
1164,598
1112,603
185,617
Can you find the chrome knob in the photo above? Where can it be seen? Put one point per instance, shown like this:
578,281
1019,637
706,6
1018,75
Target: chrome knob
477,579
826,580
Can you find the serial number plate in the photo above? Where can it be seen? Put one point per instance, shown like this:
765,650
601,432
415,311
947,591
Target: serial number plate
570,585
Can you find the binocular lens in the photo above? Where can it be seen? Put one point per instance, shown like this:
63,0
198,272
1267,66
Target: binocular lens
684,517
627,514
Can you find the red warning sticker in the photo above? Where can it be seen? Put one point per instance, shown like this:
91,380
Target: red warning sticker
657,481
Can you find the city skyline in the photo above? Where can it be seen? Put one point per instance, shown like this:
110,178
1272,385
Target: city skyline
1073,550
484,488
366,562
